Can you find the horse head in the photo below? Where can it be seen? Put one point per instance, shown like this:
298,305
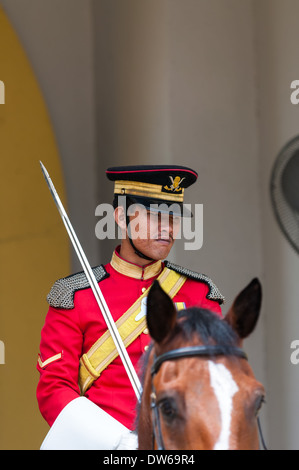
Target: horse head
199,392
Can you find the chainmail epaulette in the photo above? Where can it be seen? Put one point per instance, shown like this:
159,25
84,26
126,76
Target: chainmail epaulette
213,294
62,293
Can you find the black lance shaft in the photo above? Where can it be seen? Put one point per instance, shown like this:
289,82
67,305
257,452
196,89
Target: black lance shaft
96,290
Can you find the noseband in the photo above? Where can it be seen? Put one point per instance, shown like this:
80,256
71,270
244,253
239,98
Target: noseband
189,351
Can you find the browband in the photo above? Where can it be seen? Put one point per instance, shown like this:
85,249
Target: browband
191,351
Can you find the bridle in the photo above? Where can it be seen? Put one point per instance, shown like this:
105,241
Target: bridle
189,351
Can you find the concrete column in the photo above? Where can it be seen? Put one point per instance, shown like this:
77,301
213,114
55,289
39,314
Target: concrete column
131,57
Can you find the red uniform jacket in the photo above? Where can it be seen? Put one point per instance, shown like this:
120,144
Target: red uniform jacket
74,323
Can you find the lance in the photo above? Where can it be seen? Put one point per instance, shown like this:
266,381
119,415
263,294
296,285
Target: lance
96,289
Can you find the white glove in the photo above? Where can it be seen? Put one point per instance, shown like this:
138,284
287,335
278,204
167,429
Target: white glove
82,425
128,441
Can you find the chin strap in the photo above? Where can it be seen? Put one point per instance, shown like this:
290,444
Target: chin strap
137,252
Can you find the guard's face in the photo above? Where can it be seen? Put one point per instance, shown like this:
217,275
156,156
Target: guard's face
153,233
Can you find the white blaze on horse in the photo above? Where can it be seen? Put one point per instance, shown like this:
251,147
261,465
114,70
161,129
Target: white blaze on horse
199,391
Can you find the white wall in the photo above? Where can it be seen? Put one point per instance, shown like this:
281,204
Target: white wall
278,65
214,129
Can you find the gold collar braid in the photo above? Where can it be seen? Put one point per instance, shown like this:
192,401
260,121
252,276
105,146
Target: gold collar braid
134,270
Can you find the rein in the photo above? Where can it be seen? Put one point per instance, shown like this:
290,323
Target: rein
189,351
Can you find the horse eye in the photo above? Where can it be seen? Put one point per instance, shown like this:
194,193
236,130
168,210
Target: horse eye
258,404
168,409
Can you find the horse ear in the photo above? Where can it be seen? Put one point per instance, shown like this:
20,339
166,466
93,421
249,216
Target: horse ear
244,313
161,313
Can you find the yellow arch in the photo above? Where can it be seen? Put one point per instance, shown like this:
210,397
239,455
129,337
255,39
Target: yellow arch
34,248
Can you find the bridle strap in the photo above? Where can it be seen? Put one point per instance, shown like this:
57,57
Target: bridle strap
192,351
157,432
261,434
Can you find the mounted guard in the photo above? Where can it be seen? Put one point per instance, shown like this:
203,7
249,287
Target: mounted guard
87,390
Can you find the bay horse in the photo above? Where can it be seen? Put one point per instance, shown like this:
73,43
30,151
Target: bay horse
199,392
